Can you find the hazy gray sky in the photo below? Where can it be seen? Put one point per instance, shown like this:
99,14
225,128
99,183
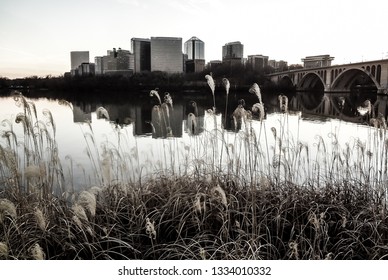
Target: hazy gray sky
36,36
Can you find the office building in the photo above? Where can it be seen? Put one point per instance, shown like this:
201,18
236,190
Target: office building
257,62
317,61
116,62
86,69
194,50
141,50
98,65
278,66
166,54
233,53
78,57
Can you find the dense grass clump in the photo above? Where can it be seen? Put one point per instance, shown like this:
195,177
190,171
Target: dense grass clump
182,218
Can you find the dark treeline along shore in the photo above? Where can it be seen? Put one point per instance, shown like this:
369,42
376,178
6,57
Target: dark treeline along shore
85,86
250,208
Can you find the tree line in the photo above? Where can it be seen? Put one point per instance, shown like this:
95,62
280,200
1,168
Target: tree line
240,77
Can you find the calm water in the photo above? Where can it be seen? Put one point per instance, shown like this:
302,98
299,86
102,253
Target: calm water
105,142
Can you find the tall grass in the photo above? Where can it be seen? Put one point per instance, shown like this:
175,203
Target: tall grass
254,193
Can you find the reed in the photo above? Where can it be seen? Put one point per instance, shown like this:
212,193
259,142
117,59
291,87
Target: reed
244,199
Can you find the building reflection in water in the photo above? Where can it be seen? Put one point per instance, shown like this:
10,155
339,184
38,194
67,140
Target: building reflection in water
187,115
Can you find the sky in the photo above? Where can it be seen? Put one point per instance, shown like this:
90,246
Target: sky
37,36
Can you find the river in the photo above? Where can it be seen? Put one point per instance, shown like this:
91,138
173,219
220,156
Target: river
312,139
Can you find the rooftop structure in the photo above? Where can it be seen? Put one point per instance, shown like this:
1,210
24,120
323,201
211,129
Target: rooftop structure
317,61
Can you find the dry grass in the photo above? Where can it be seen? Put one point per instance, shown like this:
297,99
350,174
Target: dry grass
182,218
237,199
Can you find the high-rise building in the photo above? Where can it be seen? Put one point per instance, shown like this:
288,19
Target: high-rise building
194,50
141,49
116,62
78,57
257,62
233,52
99,67
86,69
166,54
278,66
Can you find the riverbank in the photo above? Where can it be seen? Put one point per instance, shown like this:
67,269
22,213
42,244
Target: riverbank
191,217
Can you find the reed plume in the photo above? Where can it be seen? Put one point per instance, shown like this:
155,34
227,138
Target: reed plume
40,219
3,251
37,252
7,208
102,113
226,84
88,202
258,110
150,229
154,92
168,99
283,103
212,86
255,89
219,194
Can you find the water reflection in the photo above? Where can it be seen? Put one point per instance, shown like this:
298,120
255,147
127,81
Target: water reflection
146,126
167,120
353,107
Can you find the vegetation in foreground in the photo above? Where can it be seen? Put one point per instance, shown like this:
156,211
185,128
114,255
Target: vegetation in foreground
210,212
183,218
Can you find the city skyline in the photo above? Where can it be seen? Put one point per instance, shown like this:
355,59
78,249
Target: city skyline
37,36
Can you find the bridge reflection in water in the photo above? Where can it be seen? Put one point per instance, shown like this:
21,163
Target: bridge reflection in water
350,107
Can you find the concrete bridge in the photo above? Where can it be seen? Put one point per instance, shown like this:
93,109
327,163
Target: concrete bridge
371,75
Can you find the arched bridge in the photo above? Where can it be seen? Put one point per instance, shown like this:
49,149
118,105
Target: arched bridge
371,75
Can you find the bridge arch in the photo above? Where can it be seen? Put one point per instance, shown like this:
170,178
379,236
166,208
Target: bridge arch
354,78
286,82
311,81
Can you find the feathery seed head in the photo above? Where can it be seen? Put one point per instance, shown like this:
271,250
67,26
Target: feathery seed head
154,92
102,113
37,252
258,109
88,202
150,229
40,219
34,171
226,84
3,250
79,212
95,190
7,208
202,253
220,195
294,249
283,103
77,221
255,89
168,99
191,123
211,83
200,202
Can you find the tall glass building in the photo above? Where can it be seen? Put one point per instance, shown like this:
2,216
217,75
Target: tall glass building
166,54
141,49
233,52
78,57
194,50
